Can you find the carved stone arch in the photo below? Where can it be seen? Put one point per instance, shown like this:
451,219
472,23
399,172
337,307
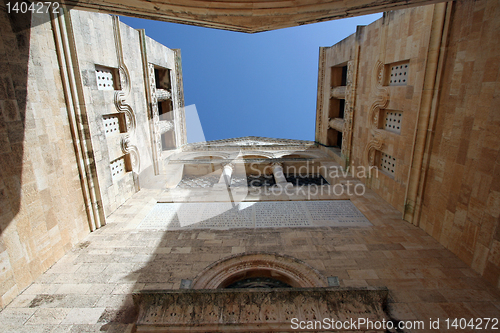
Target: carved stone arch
251,153
199,155
210,157
287,269
299,154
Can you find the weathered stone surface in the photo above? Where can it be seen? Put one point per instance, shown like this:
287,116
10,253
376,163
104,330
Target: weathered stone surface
255,310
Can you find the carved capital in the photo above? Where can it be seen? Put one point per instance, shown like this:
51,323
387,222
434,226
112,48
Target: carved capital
163,95
165,126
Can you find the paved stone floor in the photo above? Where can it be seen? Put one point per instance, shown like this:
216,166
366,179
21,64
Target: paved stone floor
89,289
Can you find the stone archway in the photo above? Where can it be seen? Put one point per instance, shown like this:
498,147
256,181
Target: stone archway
286,269
210,307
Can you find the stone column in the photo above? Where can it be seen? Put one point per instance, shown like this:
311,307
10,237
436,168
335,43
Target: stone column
163,95
336,123
279,177
338,92
227,171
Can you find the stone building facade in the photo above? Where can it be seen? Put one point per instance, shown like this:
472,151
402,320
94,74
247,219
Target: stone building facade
85,99
93,138
395,95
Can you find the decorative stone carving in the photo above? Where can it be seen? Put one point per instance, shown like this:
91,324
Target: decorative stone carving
243,144
179,100
155,117
121,104
319,102
380,94
228,165
120,100
381,100
227,171
350,93
256,310
376,143
133,152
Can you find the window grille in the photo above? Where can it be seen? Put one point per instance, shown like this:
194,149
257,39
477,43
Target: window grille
111,124
105,78
387,163
392,121
118,168
399,74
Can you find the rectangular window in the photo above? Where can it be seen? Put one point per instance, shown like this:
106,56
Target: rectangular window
338,75
107,78
113,124
391,120
118,167
397,73
387,163
163,81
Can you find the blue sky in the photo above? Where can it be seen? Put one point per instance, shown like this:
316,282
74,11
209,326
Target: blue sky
260,84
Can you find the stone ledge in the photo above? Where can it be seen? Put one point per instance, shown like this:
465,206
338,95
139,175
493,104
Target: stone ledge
254,310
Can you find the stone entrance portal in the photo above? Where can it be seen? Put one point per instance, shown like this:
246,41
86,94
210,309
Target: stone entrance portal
303,297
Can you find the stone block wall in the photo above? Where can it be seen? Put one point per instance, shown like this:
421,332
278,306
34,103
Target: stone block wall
56,180
97,43
461,201
42,212
399,36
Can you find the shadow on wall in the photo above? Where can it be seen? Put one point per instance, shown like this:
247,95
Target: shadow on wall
14,57
19,171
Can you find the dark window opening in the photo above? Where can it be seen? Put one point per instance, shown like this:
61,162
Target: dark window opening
339,139
341,108
344,76
259,282
298,180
